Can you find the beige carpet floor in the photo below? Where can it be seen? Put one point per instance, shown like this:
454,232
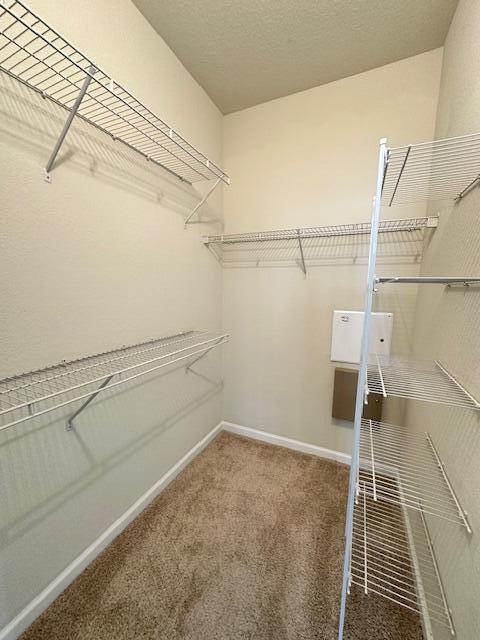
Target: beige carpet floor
246,544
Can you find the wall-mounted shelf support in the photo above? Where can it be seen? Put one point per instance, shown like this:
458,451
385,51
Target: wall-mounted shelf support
202,202
302,257
73,112
86,403
202,355
468,188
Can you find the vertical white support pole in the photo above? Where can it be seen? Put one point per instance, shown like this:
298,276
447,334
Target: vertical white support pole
372,457
362,377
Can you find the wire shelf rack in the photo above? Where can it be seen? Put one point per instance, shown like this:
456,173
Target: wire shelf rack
439,170
309,244
404,468
33,394
392,556
36,55
414,379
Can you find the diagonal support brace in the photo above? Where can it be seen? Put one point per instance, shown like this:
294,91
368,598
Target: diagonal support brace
86,403
73,111
202,355
202,202
302,257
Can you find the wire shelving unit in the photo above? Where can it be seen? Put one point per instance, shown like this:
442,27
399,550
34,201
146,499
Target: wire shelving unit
404,468
39,392
307,245
416,380
392,473
439,170
38,56
392,556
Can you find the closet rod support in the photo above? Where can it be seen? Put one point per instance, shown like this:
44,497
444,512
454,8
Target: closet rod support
73,111
202,202
302,257
86,403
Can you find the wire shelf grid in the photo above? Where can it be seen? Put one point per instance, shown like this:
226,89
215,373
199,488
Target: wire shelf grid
393,558
404,468
439,170
33,394
414,379
309,244
35,54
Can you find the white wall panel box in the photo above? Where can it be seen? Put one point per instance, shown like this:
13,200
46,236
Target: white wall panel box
347,329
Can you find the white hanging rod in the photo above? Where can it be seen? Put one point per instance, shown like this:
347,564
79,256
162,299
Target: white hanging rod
359,228
439,170
33,394
392,557
405,468
39,57
446,280
428,381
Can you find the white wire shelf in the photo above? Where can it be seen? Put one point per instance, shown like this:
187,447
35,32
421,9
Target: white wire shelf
438,170
414,379
393,557
445,280
33,394
36,55
308,244
404,468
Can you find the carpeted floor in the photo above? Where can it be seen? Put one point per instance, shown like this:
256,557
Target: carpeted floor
246,544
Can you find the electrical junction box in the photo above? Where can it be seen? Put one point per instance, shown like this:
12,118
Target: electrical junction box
347,327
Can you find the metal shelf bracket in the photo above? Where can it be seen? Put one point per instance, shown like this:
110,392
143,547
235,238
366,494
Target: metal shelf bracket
70,420
201,203
202,355
302,257
73,111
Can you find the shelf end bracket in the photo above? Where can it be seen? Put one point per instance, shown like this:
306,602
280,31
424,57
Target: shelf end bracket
73,111
202,202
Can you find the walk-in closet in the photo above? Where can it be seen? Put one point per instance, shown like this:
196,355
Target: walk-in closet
240,320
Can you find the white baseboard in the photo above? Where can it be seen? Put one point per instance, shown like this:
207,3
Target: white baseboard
25,618
289,443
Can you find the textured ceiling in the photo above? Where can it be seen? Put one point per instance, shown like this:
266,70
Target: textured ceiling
244,52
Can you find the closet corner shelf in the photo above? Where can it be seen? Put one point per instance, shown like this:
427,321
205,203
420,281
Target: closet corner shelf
36,393
36,55
404,468
439,170
415,379
392,556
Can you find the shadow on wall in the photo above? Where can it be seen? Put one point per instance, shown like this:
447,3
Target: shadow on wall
46,466
34,124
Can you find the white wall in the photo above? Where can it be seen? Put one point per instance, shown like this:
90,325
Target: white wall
97,259
310,159
447,328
